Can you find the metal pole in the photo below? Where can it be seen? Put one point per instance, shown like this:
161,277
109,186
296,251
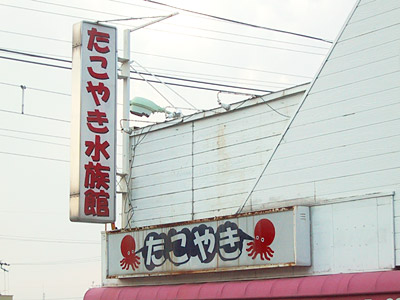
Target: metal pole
125,72
125,75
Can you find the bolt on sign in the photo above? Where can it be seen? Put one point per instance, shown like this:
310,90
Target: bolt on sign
93,126
248,241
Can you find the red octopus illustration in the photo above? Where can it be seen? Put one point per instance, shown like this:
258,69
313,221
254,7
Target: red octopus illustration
128,247
264,234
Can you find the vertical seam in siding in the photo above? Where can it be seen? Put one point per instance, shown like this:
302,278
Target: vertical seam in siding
192,170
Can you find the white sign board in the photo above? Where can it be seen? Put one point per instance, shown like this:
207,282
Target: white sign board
249,241
93,136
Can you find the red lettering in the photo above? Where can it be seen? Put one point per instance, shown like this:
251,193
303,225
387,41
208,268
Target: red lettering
98,117
96,203
94,74
96,90
98,148
96,37
96,177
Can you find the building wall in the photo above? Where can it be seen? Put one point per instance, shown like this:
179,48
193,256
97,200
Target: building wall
339,153
345,139
205,166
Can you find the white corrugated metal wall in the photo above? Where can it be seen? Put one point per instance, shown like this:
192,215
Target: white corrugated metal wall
340,155
345,139
204,168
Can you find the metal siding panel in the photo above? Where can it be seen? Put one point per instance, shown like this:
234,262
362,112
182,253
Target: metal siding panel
172,143
242,135
235,151
343,123
157,136
371,55
325,172
359,184
159,212
222,190
374,23
226,177
163,189
383,132
158,221
232,124
322,238
369,87
369,40
163,177
315,160
162,200
341,107
225,165
238,115
355,235
357,75
158,155
162,166
385,219
214,205
373,8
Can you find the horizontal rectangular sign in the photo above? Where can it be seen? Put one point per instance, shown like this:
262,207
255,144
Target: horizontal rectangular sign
93,129
248,241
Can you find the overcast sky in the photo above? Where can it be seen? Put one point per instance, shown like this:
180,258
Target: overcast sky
49,254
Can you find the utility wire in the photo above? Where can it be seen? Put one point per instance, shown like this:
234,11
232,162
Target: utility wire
154,88
170,57
243,23
221,65
33,156
34,116
36,89
201,82
186,101
165,76
150,81
46,240
132,18
60,262
125,17
35,133
33,140
242,43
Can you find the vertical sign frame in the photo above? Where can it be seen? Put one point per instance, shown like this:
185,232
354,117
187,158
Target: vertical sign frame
93,126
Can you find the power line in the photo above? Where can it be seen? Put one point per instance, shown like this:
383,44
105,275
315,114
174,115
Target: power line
221,65
35,63
203,82
184,85
248,36
33,140
243,23
46,240
33,156
60,262
152,81
207,30
35,55
35,133
170,57
36,89
242,43
161,69
219,76
34,116
48,12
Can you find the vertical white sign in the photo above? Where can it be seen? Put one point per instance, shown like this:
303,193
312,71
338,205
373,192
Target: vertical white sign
93,126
